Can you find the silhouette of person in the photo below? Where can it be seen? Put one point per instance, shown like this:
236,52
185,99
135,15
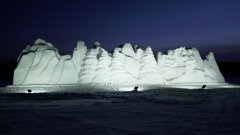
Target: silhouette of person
135,89
204,86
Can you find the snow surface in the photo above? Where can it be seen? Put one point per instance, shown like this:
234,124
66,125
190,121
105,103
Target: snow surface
108,87
128,65
159,112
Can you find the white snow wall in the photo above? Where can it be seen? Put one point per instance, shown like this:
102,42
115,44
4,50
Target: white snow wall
42,64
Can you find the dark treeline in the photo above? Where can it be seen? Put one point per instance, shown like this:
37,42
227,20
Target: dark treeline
227,69
6,70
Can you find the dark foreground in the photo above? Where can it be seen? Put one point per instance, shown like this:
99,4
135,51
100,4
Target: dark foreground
153,112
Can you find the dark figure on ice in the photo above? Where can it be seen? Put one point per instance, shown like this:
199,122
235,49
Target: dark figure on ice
203,87
135,89
29,90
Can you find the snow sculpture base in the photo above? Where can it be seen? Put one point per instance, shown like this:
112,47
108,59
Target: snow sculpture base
93,88
41,65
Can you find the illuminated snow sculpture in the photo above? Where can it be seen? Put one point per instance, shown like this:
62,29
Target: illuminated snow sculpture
186,66
42,64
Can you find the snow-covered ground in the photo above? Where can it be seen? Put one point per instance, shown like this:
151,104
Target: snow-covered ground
164,111
98,87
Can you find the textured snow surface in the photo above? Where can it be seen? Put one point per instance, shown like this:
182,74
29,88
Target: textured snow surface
42,64
160,112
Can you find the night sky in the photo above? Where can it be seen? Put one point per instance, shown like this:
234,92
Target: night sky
209,25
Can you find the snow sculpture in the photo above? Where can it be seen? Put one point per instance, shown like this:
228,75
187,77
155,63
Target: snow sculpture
103,68
36,64
131,62
119,73
186,66
42,64
89,65
78,55
149,69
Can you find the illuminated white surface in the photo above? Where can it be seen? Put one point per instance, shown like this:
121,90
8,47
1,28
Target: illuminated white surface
42,64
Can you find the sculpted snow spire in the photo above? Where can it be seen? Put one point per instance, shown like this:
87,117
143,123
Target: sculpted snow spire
149,68
103,68
131,60
79,54
88,67
128,50
212,64
118,72
96,44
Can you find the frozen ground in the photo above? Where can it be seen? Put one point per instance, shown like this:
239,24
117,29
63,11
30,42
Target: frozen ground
169,111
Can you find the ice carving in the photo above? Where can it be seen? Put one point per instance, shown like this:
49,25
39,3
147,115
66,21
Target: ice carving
42,64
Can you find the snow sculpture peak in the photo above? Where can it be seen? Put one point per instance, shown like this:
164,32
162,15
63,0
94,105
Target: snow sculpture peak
149,50
41,64
96,44
80,44
128,50
40,41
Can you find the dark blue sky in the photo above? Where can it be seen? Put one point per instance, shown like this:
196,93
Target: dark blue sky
209,25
